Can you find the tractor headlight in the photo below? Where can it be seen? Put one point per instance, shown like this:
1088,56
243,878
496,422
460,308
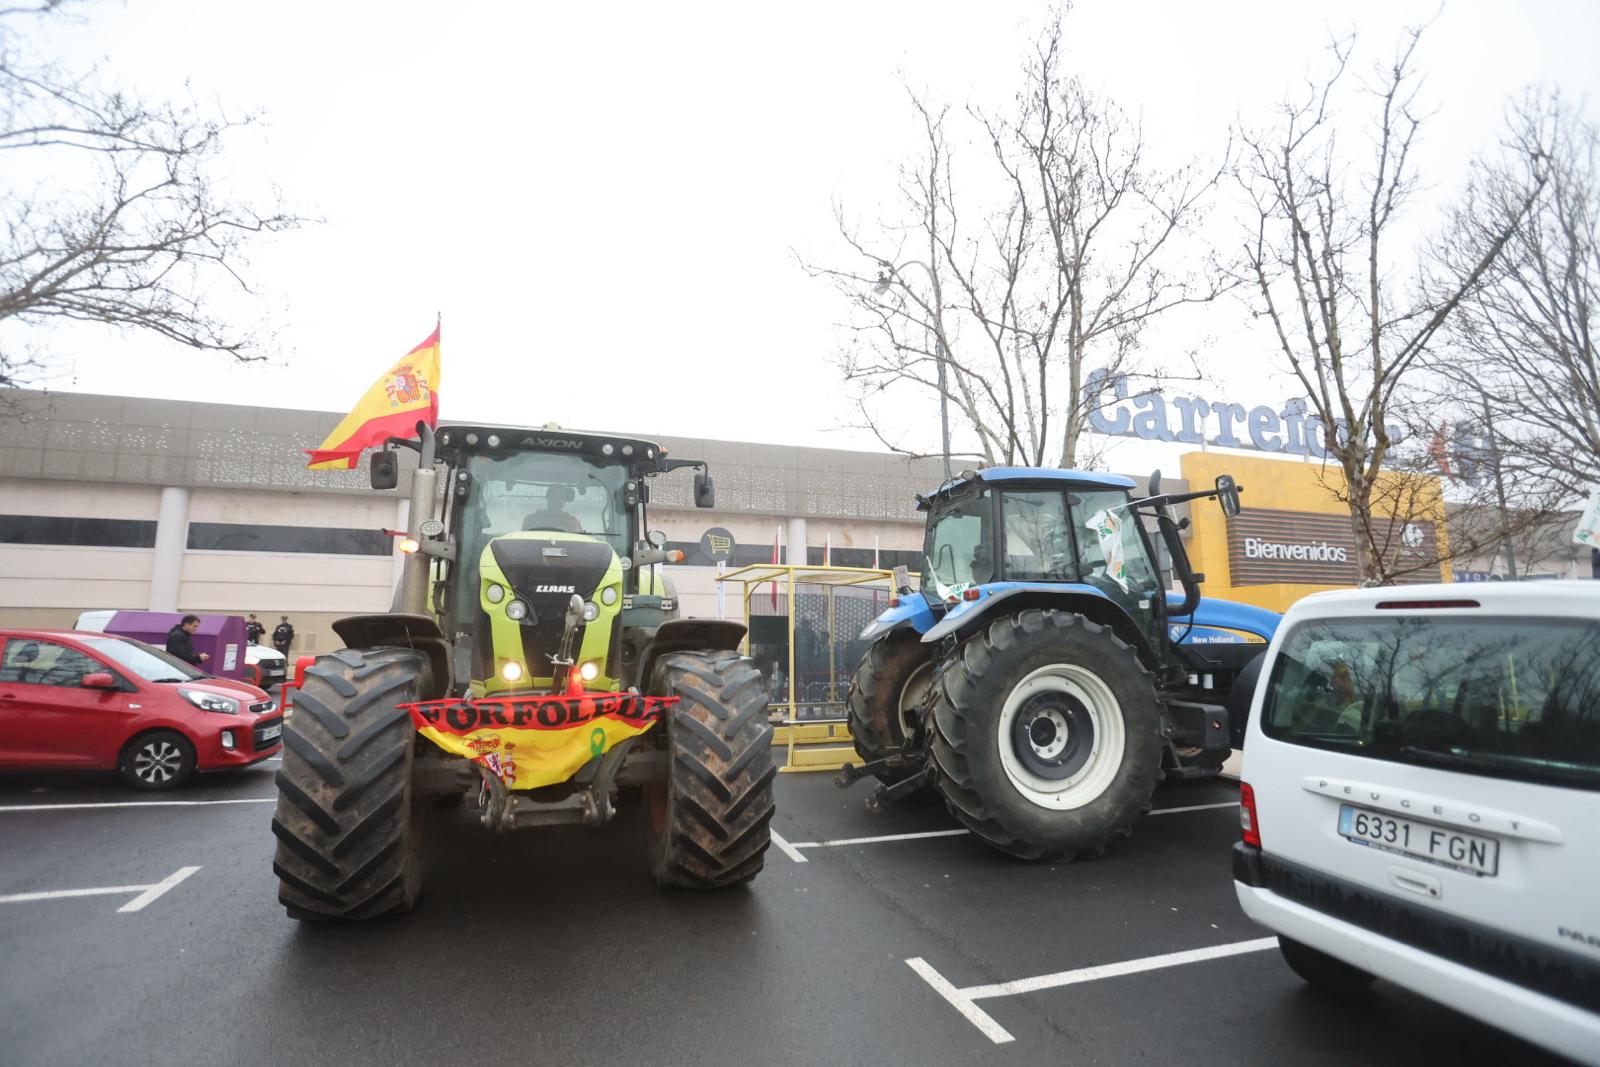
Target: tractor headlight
589,671
495,593
512,671
608,595
591,611
516,611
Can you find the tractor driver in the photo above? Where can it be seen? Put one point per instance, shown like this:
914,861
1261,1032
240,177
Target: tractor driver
554,515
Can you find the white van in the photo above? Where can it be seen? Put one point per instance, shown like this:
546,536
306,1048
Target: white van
1420,800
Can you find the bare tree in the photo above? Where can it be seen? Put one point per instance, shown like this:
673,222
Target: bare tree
109,211
1323,256
1050,259
1523,343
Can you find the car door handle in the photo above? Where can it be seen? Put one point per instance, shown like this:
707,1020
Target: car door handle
8,696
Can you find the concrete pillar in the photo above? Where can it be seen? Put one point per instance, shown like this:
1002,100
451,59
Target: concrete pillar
172,537
795,543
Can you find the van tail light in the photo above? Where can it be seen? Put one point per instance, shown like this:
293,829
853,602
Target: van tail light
1249,825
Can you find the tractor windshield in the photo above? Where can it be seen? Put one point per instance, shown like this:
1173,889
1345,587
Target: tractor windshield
957,549
539,491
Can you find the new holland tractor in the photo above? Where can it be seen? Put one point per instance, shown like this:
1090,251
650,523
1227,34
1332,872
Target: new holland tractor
533,660
1044,679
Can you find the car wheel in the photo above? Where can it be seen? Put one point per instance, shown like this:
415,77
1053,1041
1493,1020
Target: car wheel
1322,970
160,760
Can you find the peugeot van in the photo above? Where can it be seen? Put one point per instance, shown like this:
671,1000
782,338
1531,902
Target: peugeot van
1420,800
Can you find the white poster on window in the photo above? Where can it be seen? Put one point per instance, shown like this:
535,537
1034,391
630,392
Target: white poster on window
230,657
1107,527
1588,531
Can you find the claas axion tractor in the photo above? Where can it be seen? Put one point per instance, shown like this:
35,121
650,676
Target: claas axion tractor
1045,679
533,660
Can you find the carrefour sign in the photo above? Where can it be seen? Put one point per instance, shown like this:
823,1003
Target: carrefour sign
1153,416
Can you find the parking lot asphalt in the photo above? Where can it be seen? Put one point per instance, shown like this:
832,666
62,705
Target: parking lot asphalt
554,946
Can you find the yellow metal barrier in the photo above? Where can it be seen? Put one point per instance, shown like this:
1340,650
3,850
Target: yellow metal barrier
814,746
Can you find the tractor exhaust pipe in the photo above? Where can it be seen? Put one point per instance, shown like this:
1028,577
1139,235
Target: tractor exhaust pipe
411,592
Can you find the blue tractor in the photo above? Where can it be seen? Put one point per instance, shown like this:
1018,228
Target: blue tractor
1045,678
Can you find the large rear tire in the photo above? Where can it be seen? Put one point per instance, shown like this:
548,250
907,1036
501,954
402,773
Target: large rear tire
1047,735
709,823
348,833
886,696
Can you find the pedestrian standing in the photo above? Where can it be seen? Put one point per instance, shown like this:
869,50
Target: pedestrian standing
180,641
283,636
254,631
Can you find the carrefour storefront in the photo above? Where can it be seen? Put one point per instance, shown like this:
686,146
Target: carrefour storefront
1293,536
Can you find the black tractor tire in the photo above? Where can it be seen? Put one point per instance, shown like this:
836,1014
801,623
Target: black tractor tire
1087,798
161,759
708,824
1326,973
349,834
887,677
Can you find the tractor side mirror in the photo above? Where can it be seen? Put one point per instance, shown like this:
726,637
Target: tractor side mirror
705,490
384,469
1227,495
1155,483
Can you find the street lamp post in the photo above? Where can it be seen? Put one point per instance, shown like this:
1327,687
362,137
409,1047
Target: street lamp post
884,283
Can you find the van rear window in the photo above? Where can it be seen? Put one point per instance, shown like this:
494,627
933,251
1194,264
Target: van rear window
1502,697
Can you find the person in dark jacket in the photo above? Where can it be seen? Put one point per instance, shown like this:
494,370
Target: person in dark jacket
283,636
180,641
254,631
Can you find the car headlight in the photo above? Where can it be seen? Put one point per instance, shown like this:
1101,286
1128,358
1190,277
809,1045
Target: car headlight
516,611
210,702
591,611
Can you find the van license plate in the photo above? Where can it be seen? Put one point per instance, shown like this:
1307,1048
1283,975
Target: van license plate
1442,845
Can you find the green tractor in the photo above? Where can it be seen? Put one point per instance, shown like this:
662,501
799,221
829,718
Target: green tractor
533,660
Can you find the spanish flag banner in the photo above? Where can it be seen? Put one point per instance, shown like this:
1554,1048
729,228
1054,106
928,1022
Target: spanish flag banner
531,741
407,393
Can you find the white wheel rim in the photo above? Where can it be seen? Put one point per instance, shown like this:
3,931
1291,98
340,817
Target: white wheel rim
912,694
157,762
1096,774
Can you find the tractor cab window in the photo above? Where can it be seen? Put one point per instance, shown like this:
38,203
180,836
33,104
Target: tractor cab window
539,491
1038,543
956,552
1113,552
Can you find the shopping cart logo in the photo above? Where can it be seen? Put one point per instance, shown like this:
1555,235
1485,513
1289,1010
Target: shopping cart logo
717,544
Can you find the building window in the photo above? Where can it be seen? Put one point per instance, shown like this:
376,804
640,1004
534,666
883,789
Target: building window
85,532
247,537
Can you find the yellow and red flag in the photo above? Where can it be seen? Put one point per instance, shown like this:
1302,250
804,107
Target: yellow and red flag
407,393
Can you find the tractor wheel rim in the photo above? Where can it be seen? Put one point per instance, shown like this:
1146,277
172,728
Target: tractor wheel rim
1060,736
912,695
157,762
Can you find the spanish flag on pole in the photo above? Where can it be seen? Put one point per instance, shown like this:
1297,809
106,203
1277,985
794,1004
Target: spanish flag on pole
407,393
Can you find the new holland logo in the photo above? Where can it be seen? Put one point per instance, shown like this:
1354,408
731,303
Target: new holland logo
555,589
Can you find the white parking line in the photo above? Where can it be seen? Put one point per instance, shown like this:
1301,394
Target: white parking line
961,1002
147,893
1194,807
963,999
788,849
136,804
879,840
143,900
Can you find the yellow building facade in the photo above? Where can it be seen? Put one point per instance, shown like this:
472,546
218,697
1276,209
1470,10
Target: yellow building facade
1293,536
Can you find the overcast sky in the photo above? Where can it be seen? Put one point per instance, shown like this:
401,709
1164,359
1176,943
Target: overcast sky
604,200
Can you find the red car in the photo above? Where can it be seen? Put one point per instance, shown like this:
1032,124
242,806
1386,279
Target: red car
74,699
